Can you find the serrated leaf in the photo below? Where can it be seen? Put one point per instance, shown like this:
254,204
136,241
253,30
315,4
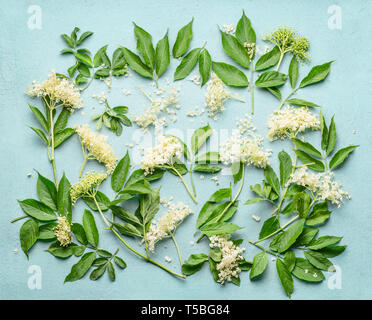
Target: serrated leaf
340,156
144,46
47,192
316,74
319,261
272,179
28,235
40,117
230,75
63,136
285,277
307,159
305,271
90,228
244,31
187,64
307,147
293,71
63,197
62,120
205,66
199,137
120,173
260,261
162,55
219,228
290,260
284,241
136,63
183,40
271,79
285,167
41,134
323,242
46,231
79,269
37,210
235,49
332,136
268,59
303,103
194,263
79,233
269,226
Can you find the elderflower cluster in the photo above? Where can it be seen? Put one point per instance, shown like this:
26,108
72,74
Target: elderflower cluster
289,121
167,223
97,146
164,153
251,49
322,184
63,232
288,40
216,95
151,114
228,267
86,186
58,90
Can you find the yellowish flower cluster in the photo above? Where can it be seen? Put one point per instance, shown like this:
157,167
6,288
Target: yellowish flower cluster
63,232
97,146
228,268
164,153
58,90
86,186
216,95
322,184
289,121
167,223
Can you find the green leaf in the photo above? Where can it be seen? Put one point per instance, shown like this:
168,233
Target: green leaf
46,231
120,173
136,188
275,92
68,40
220,195
28,235
103,202
61,252
62,120
340,156
219,228
323,242
244,31
332,135
290,260
237,171
324,131
307,147
302,201
162,55
235,49
305,271
120,262
307,235
285,277
144,46
149,205
128,229
97,59
187,64
47,192
209,157
104,253
213,268
289,208
319,261
205,66
284,241
259,265
41,134
271,79
272,179
90,228
37,210
97,273
63,197
84,58
62,136
268,59
319,214
215,254
40,117
199,137
84,36
316,74
332,251
257,189
136,63
285,167
125,215
306,159
79,233
79,269
206,168
293,71
269,226
183,40
194,263
302,103
229,74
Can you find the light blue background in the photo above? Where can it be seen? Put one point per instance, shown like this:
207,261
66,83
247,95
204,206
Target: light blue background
30,54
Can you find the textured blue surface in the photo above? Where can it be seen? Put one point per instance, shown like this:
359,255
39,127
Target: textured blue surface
27,54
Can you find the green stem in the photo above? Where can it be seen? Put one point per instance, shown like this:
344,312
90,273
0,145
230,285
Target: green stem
178,249
52,139
192,179
129,247
252,90
266,250
280,60
19,218
230,203
82,167
285,100
184,182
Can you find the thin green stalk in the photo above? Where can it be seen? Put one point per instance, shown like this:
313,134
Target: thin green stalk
19,218
178,249
184,182
82,167
266,250
285,100
129,247
230,203
280,60
252,90
192,179
52,160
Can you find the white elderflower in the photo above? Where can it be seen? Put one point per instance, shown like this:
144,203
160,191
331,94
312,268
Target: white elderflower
58,90
244,149
251,49
289,121
167,224
228,268
322,184
63,232
165,152
216,95
228,28
97,147
86,187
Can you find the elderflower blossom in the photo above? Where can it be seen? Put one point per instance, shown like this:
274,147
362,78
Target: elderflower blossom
97,146
163,153
288,40
228,267
58,90
63,232
167,223
322,184
289,121
151,114
251,49
86,186
216,95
